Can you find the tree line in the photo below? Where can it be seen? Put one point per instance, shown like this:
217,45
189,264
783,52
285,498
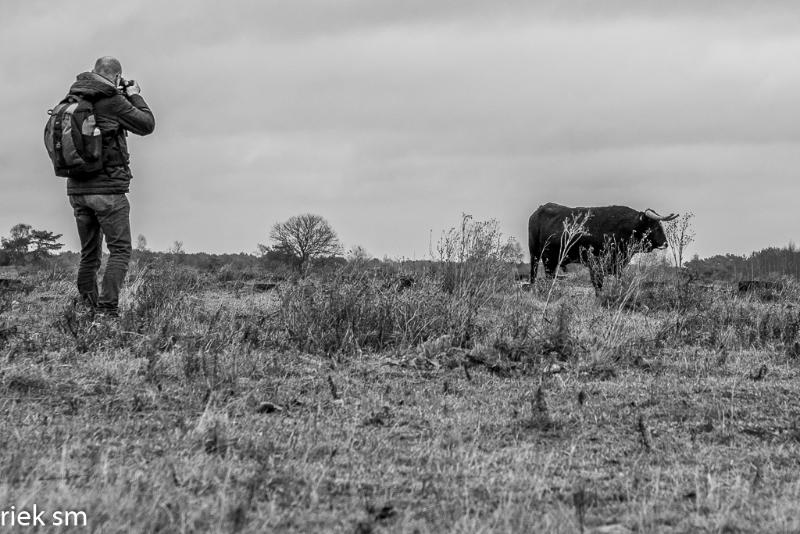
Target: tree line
295,245
309,240
771,262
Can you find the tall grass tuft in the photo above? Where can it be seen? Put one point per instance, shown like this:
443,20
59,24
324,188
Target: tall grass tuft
158,297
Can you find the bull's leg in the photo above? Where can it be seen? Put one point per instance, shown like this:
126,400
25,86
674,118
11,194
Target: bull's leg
616,264
550,263
596,276
536,253
534,268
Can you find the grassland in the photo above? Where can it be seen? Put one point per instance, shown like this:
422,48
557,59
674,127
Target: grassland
460,404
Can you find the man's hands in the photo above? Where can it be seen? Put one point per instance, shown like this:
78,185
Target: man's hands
133,89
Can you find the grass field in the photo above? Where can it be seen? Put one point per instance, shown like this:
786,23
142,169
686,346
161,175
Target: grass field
461,404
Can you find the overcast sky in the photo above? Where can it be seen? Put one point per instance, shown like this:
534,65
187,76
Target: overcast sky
391,118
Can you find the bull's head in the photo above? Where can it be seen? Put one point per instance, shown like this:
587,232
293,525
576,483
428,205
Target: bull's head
650,231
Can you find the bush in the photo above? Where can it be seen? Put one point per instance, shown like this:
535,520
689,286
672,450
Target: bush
651,289
474,254
734,324
348,313
370,310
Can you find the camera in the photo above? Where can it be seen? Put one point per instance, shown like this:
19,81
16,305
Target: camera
123,83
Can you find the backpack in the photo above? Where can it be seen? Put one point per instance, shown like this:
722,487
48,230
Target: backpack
73,140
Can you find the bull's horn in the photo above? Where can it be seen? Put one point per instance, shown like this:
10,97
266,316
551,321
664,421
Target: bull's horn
656,217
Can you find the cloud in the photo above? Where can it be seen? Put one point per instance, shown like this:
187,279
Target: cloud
405,114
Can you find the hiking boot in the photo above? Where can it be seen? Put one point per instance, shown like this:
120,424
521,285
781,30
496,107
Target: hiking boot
89,300
111,313
106,323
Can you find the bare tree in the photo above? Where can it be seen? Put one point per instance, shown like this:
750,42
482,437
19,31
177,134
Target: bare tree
680,235
141,243
358,254
304,238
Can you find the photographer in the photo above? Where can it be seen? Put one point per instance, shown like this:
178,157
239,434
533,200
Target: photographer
99,201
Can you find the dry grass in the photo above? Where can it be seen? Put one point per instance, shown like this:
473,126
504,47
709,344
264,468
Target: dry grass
481,409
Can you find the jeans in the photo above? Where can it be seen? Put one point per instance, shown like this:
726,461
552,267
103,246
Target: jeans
98,216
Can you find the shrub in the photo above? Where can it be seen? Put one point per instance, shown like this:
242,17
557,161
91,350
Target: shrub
352,312
736,324
355,311
475,253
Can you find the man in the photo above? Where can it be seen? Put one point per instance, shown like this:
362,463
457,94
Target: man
99,202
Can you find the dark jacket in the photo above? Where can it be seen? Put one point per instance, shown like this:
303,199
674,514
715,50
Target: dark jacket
116,115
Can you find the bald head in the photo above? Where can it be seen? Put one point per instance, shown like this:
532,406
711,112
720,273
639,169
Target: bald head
108,67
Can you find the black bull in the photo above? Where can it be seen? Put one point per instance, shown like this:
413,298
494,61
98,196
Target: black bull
618,227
